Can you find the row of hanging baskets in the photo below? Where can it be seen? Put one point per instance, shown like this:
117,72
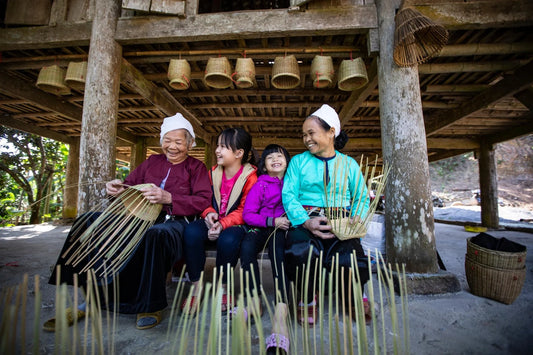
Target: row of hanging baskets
285,73
58,81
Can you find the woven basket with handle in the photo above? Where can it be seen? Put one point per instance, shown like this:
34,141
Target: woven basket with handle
244,75
322,71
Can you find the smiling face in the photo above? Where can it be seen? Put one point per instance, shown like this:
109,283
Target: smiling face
318,140
226,157
276,164
176,146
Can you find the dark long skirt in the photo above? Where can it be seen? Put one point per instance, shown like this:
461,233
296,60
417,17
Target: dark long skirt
142,281
301,241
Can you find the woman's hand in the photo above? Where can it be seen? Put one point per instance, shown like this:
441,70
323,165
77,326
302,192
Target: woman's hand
114,187
214,231
157,195
211,219
320,227
282,223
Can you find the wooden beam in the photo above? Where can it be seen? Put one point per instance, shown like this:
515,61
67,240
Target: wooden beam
360,95
28,127
161,98
458,15
526,97
515,132
468,67
13,86
520,80
469,49
445,154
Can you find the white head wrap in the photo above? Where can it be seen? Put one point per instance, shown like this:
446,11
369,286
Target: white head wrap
328,115
176,122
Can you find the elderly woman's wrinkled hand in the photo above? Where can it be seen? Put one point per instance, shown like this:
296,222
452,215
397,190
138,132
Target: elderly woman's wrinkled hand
114,187
211,219
319,227
157,195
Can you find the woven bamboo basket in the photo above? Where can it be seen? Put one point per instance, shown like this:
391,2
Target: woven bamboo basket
322,71
179,74
503,285
218,73
344,230
496,258
285,73
76,75
416,38
52,80
136,204
352,74
244,75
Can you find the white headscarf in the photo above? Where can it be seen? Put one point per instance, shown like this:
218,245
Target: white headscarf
329,115
176,122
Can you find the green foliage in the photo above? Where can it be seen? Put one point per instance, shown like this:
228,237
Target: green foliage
31,169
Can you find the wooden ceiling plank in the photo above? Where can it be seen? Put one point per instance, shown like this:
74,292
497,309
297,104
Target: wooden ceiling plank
515,132
520,80
21,125
526,97
10,85
159,97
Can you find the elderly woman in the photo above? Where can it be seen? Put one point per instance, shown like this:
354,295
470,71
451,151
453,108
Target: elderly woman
182,186
304,200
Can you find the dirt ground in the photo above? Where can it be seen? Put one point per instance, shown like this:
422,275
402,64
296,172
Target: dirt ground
454,179
454,323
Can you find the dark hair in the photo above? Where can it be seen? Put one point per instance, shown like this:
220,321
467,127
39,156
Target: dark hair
271,148
237,138
340,140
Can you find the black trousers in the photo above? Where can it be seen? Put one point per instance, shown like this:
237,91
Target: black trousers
142,281
300,242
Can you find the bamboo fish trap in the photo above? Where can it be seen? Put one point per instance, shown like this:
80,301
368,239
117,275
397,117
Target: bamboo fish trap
345,210
108,242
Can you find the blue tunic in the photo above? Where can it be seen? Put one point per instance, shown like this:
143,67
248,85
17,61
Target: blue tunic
304,185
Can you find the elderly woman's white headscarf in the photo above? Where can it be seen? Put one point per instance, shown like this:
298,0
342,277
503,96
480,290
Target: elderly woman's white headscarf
176,122
329,115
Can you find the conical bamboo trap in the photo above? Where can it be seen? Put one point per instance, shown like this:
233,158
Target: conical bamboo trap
218,73
244,75
416,38
342,217
322,71
109,241
76,75
52,80
285,73
179,74
352,74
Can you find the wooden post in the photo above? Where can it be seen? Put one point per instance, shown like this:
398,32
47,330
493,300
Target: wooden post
410,234
138,153
488,185
210,146
70,195
100,107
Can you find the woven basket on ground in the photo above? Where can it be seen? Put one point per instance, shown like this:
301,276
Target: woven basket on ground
179,74
52,79
244,75
344,229
285,73
218,73
352,74
416,38
503,285
322,71
496,258
76,75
